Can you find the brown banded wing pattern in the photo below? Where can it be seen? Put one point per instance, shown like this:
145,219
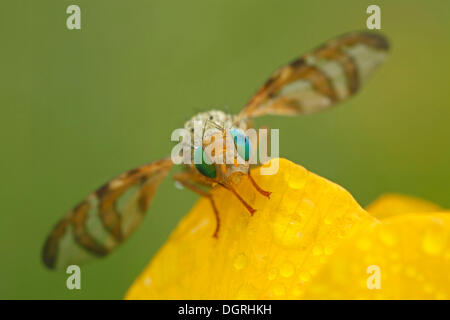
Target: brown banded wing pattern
320,78
105,218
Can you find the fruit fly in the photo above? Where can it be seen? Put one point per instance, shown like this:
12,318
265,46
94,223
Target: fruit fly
311,83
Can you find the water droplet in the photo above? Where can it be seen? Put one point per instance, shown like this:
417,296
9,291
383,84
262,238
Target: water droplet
434,241
297,180
304,276
297,290
387,237
287,270
286,231
240,261
308,204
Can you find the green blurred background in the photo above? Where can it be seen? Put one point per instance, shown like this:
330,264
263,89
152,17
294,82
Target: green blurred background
79,107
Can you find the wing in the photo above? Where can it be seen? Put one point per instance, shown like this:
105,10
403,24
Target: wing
320,78
99,223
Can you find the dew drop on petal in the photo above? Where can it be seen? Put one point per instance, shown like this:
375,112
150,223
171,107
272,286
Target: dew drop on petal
304,276
434,241
296,180
387,237
286,231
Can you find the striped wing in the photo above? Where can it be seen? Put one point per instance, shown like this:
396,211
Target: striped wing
103,220
321,78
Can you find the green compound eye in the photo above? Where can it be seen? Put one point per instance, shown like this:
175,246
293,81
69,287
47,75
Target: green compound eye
242,143
208,170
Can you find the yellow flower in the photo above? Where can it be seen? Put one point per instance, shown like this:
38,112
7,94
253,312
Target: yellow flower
311,240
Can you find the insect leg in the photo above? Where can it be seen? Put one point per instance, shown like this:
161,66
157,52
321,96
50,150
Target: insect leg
185,179
247,206
258,188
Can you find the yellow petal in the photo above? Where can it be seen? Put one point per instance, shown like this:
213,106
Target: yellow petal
273,254
407,257
392,204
